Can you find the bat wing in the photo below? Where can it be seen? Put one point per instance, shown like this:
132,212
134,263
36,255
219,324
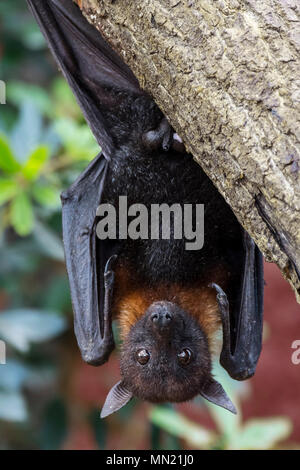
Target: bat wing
88,63
92,69
89,264
243,322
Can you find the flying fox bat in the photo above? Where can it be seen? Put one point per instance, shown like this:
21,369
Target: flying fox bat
169,301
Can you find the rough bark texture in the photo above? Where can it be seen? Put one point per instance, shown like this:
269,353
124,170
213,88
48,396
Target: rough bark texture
226,74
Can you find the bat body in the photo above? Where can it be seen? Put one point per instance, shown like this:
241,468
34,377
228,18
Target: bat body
161,278
169,301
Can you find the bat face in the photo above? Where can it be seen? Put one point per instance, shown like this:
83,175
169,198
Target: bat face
165,356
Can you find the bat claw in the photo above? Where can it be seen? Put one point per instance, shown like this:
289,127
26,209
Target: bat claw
221,297
109,278
163,137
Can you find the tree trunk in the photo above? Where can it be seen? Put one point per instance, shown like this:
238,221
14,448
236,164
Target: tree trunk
226,74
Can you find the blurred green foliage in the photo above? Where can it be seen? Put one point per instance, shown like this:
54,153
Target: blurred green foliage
39,156
232,433
44,145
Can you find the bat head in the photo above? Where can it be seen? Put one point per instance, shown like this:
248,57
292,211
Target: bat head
165,358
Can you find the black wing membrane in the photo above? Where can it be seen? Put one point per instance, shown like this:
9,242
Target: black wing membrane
92,69
243,319
89,65
86,260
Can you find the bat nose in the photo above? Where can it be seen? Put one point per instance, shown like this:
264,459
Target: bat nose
161,317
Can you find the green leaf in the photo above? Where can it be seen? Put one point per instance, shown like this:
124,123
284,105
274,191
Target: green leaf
21,214
8,162
12,407
33,38
13,376
8,189
46,195
56,294
49,242
226,422
18,92
21,327
99,428
54,426
176,424
63,101
35,163
261,434
77,139
27,132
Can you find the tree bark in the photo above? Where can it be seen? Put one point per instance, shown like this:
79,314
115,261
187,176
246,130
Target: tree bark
227,76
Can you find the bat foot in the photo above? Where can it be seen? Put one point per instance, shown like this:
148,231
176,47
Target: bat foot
109,275
163,137
109,278
221,297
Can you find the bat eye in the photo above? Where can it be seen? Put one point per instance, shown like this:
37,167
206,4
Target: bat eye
142,356
185,356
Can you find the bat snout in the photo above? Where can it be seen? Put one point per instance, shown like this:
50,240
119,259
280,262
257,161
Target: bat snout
161,319
161,315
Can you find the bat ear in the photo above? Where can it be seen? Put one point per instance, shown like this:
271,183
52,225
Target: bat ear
214,392
116,399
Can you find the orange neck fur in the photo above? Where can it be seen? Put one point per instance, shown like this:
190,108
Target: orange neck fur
131,300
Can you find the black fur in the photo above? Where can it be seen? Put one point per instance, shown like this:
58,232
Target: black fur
156,177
